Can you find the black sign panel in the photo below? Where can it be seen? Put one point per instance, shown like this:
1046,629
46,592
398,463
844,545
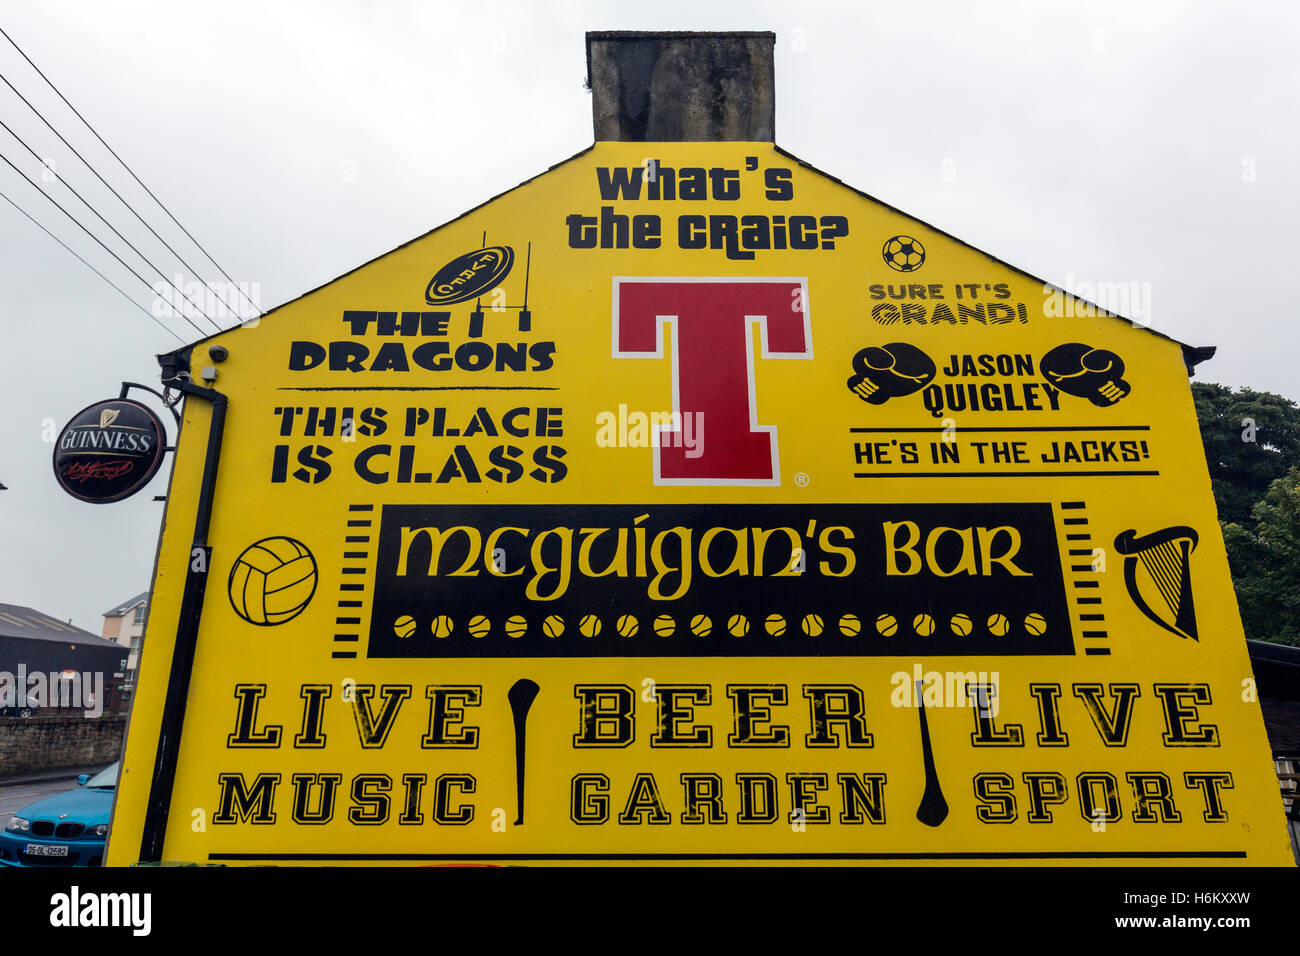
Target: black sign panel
718,581
470,275
109,451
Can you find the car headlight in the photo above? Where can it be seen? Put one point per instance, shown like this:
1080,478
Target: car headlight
19,825
99,831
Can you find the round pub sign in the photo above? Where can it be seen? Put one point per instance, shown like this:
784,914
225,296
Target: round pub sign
109,451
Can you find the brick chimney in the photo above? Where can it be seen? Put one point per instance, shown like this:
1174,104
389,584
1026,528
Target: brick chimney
682,87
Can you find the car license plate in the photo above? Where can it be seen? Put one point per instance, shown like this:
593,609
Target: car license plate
46,849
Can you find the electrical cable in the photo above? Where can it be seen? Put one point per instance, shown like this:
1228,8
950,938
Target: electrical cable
68,186
90,267
85,162
128,268
199,245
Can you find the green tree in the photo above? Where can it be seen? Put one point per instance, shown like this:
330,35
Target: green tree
1251,439
1252,447
1265,562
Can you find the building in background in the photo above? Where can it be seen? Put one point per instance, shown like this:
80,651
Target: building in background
35,643
1277,672
124,624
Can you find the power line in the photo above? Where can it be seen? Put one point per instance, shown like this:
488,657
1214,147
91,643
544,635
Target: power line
199,245
60,208
68,186
85,162
90,267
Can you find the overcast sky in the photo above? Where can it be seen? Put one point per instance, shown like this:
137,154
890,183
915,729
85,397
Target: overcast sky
1146,142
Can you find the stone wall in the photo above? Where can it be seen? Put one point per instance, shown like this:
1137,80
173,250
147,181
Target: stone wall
53,742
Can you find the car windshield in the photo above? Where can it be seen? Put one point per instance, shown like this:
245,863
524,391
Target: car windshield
106,778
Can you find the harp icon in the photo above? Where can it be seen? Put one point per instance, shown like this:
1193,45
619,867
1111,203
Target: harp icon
1157,572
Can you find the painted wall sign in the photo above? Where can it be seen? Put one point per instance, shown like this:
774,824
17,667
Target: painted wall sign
109,451
469,275
745,519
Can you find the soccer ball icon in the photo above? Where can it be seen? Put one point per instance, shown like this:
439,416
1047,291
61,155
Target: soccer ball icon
272,581
904,254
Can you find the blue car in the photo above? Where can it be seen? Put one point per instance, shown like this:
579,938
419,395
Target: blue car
67,829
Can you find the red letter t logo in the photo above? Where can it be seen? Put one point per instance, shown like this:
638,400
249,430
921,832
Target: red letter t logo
713,367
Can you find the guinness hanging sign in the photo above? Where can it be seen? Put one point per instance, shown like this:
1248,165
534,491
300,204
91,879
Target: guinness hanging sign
109,451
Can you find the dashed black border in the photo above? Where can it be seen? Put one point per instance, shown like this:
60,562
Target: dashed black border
358,546
1081,578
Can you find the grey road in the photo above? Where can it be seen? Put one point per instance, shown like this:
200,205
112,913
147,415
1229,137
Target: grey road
14,798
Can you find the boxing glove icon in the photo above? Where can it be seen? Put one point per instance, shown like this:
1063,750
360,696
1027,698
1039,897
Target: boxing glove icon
1081,370
882,372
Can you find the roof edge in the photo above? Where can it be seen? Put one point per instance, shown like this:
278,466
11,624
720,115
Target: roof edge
182,354
1192,354
126,606
1283,654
